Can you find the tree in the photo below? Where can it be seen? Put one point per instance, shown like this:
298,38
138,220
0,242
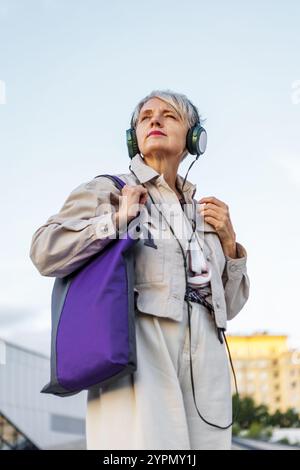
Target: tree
247,413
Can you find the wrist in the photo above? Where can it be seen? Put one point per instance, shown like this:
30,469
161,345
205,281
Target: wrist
120,221
230,249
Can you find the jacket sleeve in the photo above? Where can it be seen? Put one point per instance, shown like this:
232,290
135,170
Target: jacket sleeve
83,227
236,282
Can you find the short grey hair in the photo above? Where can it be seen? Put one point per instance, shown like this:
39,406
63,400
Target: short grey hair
184,107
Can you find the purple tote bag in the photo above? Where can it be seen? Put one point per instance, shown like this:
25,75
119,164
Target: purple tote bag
93,320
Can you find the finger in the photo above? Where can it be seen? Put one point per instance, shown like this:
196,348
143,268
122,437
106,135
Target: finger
212,213
199,207
213,200
210,205
212,221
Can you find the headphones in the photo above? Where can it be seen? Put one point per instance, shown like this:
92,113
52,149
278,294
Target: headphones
196,139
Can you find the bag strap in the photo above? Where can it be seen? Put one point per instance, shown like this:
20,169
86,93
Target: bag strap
120,183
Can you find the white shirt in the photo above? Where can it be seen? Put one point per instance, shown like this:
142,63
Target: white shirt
199,268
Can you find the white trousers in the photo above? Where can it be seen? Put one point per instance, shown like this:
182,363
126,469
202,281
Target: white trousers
153,408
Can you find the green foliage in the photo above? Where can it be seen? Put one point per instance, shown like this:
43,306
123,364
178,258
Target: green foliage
283,440
289,419
255,430
236,429
257,420
259,431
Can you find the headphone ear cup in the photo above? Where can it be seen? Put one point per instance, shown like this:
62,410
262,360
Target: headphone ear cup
132,144
196,140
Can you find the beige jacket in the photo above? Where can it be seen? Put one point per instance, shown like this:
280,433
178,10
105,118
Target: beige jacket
84,226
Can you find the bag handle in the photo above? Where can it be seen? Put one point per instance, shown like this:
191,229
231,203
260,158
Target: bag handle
120,183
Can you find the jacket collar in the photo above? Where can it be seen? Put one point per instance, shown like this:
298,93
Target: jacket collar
146,173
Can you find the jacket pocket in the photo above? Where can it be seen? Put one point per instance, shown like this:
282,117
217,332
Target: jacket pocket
150,256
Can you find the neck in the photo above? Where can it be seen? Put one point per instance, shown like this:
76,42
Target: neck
166,166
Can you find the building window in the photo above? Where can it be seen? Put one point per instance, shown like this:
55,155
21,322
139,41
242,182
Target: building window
67,424
262,364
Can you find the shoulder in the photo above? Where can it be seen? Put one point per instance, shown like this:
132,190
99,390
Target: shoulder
100,183
102,189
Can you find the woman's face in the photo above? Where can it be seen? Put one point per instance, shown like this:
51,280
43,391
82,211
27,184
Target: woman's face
157,115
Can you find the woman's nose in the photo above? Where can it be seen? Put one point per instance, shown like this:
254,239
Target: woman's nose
156,120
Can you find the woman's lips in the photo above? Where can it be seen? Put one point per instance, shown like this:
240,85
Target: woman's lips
156,134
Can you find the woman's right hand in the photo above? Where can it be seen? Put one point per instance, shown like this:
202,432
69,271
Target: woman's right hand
132,197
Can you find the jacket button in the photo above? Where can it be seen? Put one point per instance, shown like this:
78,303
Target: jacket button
217,304
208,258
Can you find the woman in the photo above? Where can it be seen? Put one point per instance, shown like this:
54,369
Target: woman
191,277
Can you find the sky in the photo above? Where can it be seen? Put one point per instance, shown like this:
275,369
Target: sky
71,73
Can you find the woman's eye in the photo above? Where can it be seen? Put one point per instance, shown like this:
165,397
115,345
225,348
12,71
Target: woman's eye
168,115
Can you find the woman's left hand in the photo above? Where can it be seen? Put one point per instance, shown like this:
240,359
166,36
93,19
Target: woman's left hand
216,213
